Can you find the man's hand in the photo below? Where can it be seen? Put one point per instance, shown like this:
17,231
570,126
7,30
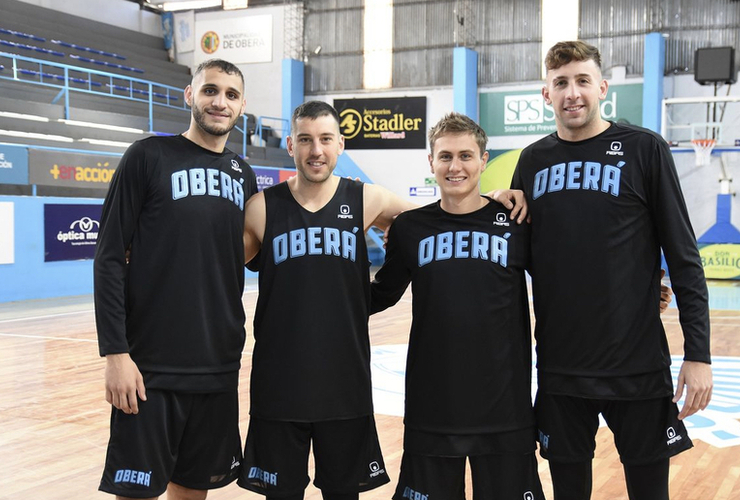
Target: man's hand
514,200
697,376
666,294
123,381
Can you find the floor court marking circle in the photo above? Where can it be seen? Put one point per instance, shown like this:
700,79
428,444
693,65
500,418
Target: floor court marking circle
718,425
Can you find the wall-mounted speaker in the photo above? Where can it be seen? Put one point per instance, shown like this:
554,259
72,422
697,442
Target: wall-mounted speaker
715,65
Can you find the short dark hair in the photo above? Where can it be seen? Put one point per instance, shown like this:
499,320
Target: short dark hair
563,53
313,110
458,123
221,65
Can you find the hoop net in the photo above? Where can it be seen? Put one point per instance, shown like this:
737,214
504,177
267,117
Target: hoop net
703,149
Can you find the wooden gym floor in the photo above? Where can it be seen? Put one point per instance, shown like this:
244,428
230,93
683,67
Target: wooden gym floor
54,418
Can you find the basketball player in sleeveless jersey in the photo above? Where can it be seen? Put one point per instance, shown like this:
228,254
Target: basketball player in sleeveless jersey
310,381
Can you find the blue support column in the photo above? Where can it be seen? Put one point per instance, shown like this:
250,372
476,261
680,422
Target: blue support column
292,88
465,81
652,87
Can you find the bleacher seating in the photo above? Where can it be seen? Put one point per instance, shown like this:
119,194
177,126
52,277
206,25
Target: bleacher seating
25,46
129,90
83,81
88,49
92,46
100,62
98,50
22,35
87,44
107,64
82,48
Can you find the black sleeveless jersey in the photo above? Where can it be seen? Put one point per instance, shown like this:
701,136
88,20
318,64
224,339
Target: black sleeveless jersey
176,306
470,350
311,358
602,209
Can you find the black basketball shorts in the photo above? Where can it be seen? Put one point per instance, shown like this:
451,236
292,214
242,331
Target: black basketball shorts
645,431
190,439
425,477
346,454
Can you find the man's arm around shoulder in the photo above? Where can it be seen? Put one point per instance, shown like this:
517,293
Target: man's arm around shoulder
382,206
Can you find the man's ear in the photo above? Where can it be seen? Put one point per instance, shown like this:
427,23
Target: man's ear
341,144
289,144
188,95
546,95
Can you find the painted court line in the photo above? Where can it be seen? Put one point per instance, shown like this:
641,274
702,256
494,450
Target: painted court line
44,337
45,316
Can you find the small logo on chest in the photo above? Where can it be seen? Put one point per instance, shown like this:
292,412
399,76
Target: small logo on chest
615,149
500,220
344,213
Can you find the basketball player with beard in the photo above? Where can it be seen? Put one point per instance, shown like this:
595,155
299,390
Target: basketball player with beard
169,277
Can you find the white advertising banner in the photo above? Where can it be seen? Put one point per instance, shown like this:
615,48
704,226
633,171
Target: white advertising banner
7,233
239,40
185,31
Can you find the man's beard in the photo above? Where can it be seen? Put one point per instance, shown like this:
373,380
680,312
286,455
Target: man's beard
200,119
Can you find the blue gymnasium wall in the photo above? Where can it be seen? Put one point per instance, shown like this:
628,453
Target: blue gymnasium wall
32,278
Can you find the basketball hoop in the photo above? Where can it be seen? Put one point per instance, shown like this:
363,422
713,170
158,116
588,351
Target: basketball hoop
703,149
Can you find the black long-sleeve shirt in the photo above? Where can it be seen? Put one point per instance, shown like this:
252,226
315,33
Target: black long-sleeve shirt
601,210
176,306
470,350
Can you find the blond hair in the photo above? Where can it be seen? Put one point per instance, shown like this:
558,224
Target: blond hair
457,123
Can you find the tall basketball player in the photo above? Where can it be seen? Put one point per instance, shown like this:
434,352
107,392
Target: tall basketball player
604,200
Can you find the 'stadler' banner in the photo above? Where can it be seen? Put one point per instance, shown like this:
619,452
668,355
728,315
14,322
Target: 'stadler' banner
385,123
